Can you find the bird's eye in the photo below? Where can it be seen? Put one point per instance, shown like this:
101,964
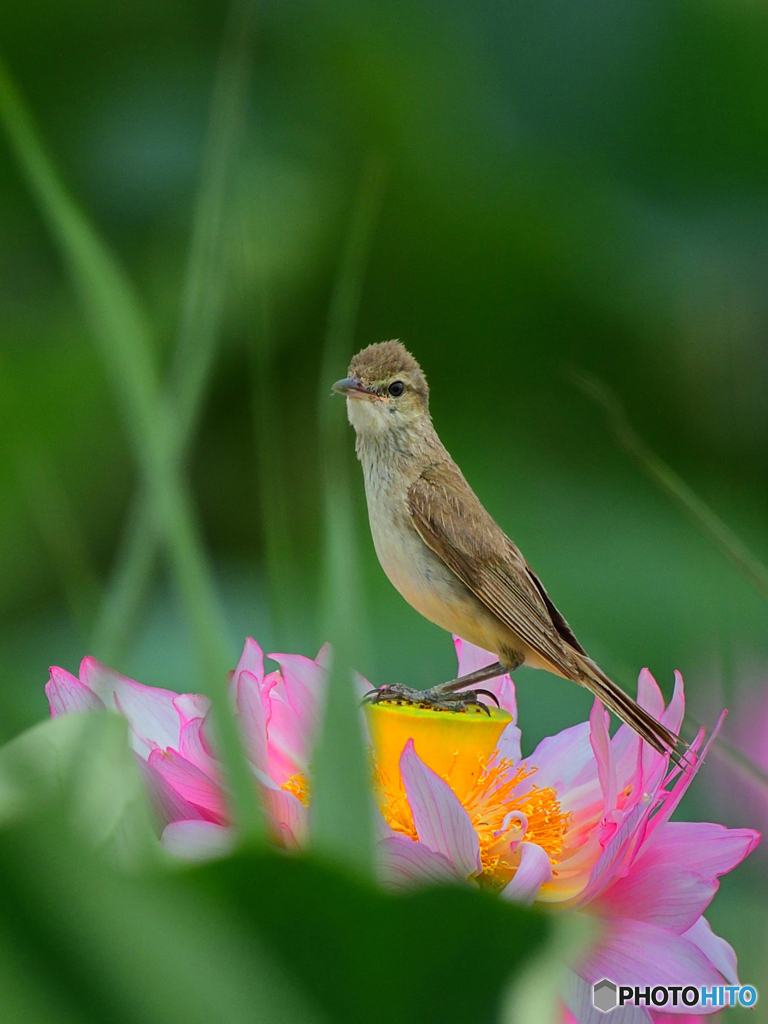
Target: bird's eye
396,388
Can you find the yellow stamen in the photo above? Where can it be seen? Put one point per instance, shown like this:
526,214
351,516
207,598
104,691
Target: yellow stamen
299,786
461,749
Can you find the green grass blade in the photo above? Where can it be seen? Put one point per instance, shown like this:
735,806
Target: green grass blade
341,802
202,305
124,339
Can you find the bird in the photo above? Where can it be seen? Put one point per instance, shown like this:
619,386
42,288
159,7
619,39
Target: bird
449,558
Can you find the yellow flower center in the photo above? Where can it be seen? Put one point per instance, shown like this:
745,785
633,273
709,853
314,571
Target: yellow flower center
460,748
299,786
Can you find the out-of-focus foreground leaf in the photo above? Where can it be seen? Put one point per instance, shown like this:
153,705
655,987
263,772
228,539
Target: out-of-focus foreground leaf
90,945
440,955
82,940
83,764
263,936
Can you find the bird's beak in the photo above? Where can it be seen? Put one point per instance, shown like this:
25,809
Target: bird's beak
352,387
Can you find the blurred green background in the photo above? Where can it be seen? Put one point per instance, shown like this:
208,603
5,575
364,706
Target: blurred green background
555,185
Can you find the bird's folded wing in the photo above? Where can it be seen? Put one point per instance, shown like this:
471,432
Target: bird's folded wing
452,522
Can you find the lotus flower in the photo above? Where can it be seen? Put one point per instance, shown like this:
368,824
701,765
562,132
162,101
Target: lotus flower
582,824
277,713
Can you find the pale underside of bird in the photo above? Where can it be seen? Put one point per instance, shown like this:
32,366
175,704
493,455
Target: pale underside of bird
447,556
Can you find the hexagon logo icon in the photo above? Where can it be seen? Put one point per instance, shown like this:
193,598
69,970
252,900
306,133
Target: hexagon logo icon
605,995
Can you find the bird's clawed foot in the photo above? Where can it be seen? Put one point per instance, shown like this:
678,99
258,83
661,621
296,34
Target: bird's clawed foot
437,698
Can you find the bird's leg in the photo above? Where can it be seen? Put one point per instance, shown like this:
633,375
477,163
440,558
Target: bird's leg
445,696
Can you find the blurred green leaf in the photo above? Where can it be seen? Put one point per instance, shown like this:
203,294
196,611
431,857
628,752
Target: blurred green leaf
342,812
100,947
438,956
122,333
83,763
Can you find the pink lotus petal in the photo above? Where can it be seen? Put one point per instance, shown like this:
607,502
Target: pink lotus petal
534,870
288,741
198,841
616,852
663,892
719,953
251,717
294,722
304,681
441,822
193,748
66,694
673,716
562,757
150,711
404,864
708,849
601,744
639,953
251,660
169,804
191,705
190,783
289,816
472,658
649,695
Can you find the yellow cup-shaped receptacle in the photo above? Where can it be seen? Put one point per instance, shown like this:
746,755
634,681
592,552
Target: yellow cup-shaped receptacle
454,744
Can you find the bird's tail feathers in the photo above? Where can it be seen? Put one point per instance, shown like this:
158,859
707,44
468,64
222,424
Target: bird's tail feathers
628,710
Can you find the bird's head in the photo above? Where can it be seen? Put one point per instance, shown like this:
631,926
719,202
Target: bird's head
385,390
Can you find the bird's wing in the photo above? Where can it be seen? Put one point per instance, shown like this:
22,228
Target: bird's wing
452,522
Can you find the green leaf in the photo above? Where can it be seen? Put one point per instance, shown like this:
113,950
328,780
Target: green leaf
87,944
437,956
82,763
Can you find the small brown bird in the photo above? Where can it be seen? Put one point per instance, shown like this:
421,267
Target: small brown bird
448,557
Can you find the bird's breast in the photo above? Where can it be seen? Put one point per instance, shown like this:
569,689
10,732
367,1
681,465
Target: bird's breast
423,579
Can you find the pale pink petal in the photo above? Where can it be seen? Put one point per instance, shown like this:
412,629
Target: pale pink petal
198,841
66,694
193,748
293,726
639,953
560,758
708,849
694,761
673,716
534,870
472,658
601,745
191,705
251,660
170,805
150,711
361,684
305,682
289,816
441,822
664,893
649,695
404,864
616,853
719,953
190,783
251,717
288,741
